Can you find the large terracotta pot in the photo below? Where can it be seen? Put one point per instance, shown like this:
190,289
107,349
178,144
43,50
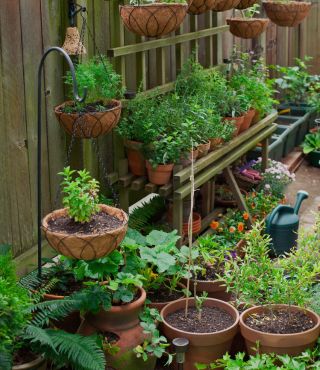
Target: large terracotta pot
247,28
136,160
89,125
203,149
86,246
238,122
215,288
201,6
215,142
153,20
223,5
287,14
38,364
196,225
247,120
244,4
203,347
161,175
291,344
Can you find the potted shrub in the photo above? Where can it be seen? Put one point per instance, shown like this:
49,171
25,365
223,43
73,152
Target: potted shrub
224,5
287,13
246,26
100,112
311,147
153,18
200,6
84,229
27,341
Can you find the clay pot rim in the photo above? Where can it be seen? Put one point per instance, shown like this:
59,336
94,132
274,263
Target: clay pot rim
182,286
103,207
57,109
247,20
131,305
29,365
149,165
288,3
191,304
246,313
156,5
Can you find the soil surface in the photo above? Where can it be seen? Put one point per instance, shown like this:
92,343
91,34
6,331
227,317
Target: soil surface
210,273
163,295
23,356
280,322
70,287
212,319
98,106
100,222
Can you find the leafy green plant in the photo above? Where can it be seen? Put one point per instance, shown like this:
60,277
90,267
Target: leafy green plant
101,81
261,203
81,197
124,287
199,302
311,143
250,12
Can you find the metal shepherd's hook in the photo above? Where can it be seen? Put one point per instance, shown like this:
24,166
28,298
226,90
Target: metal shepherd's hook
39,159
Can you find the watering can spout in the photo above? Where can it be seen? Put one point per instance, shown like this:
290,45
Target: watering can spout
301,196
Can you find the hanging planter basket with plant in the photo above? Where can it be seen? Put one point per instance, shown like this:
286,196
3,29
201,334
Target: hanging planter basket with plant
223,5
84,229
248,27
287,13
100,112
244,4
153,19
201,6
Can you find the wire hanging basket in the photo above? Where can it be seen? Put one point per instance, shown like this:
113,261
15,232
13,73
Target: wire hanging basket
223,5
288,14
247,28
244,4
201,6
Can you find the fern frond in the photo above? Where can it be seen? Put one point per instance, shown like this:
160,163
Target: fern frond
5,360
38,335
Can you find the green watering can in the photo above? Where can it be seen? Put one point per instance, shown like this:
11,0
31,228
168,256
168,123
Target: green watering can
282,225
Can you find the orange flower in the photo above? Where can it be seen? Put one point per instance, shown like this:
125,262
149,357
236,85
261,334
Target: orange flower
232,229
214,225
245,216
240,226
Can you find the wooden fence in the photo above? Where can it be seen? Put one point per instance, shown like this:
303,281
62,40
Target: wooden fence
28,27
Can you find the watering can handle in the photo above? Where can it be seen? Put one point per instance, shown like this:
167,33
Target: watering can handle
273,215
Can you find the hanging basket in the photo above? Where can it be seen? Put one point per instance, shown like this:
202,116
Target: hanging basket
86,246
201,6
244,4
247,28
288,14
153,20
223,5
91,124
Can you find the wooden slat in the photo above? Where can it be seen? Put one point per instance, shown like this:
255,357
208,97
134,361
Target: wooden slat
151,188
166,190
138,183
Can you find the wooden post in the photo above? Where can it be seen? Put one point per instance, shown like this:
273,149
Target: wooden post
178,216
265,154
206,198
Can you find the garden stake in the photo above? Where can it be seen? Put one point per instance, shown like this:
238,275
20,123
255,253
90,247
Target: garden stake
180,346
39,159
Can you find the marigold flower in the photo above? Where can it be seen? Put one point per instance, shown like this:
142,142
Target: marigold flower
240,226
214,225
232,229
245,216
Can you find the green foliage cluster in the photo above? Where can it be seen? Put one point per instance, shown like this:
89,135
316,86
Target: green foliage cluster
97,75
311,142
81,194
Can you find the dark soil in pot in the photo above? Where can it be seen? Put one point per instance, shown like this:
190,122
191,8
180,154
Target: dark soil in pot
23,356
163,294
99,223
280,322
212,319
98,106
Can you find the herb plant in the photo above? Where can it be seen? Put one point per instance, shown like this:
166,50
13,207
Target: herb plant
311,143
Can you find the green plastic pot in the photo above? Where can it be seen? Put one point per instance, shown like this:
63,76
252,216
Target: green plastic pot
294,125
314,158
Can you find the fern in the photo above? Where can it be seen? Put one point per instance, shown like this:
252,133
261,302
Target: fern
142,216
5,361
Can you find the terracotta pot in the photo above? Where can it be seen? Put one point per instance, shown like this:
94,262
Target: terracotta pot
215,288
38,364
86,246
203,149
203,347
247,120
201,6
223,5
244,4
256,118
215,142
161,175
153,20
238,122
89,125
196,225
291,344
247,28
136,160
288,14
160,305
187,161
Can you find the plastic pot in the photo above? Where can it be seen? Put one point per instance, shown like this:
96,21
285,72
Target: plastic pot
161,174
203,347
89,125
288,14
196,225
136,160
247,28
291,344
314,158
86,246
